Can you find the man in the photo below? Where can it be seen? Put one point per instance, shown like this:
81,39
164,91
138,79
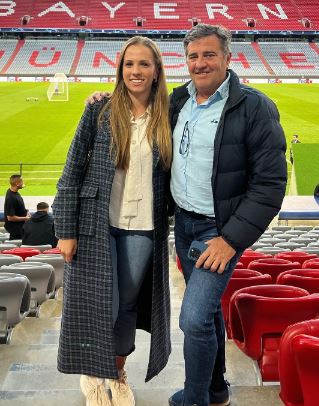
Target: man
295,140
39,229
228,182
15,212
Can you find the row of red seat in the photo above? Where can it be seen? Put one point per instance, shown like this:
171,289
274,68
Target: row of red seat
239,15
261,318
29,252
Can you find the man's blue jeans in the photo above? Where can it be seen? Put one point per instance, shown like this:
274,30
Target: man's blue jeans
201,317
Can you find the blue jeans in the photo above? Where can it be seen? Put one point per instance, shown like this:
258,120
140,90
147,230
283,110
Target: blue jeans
132,254
201,317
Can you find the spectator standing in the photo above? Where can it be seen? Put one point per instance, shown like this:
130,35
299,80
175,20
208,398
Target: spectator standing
39,229
111,219
228,180
15,212
295,140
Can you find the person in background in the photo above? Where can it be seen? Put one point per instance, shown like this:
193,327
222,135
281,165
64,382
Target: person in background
39,229
111,220
295,140
228,180
15,212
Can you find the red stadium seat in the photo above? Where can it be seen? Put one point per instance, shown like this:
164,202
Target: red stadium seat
22,252
239,265
260,314
179,265
273,266
300,257
303,278
298,364
250,255
241,278
311,263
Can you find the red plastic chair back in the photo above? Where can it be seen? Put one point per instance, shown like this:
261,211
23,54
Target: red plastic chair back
22,252
241,278
239,265
260,314
273,266
303,278
300,257
311,263
250,255
245,273
306,349
178,264
291,391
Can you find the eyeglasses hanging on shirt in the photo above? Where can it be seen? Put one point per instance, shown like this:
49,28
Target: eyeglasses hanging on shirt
185,140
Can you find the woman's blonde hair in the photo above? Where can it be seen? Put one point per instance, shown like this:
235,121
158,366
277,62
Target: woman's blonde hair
119,107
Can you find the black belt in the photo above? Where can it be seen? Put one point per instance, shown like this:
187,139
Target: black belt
194,215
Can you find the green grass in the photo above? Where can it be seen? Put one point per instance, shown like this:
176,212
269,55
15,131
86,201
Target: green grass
40,132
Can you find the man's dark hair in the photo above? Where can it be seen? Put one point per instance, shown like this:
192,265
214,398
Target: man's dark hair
14,178
42,206
205,30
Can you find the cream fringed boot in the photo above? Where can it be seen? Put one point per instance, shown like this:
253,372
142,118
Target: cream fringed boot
94,391
122,394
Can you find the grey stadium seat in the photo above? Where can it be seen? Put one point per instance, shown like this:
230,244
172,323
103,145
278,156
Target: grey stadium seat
15,242
281,228
290,245
15,296
56,260
8,259
303,228
41,277
6,246
270,240
309,250
272,250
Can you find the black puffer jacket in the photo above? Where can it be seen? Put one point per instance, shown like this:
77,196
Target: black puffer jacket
249,173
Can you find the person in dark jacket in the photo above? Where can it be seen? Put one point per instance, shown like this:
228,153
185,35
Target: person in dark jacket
15,213
39,229
111,220
228,180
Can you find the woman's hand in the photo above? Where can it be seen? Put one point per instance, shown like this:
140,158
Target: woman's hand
67,248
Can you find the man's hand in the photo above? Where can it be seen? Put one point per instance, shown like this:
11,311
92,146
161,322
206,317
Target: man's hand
217,255
96,96
67,249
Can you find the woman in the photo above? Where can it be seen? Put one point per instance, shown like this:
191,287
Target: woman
111,220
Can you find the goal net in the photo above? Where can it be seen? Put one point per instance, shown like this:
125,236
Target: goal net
59,88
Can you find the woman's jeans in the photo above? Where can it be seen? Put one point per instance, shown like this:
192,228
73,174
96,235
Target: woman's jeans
201,317
132,254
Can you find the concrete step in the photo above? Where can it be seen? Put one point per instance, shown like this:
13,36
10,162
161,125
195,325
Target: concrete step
241,396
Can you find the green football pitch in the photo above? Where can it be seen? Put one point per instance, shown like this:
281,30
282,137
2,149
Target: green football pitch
37,133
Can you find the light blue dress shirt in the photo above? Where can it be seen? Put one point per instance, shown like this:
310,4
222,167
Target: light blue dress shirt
193,150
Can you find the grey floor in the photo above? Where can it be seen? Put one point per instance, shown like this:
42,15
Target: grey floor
28,374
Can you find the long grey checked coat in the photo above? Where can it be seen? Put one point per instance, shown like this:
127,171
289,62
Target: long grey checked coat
81,211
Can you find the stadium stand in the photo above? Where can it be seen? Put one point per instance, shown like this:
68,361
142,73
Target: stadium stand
236,15
43,57
99,58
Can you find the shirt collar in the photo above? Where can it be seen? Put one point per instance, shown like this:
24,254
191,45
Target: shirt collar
222,92
144,116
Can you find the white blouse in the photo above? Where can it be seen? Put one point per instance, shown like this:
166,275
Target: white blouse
131,204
